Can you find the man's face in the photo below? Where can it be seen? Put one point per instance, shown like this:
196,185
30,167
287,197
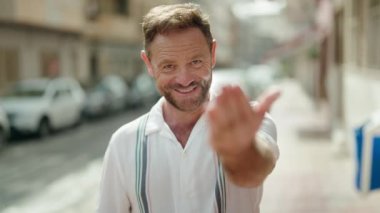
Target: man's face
181,62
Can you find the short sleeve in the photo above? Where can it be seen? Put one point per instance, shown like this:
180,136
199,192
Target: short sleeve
268,132
113,194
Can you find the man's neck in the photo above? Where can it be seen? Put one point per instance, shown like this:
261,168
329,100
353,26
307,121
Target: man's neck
181,122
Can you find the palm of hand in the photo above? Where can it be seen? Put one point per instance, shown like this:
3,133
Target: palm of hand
234,122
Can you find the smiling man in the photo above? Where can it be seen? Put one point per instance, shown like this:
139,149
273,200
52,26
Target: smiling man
191,152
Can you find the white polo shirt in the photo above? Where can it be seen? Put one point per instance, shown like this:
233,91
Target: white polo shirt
155,174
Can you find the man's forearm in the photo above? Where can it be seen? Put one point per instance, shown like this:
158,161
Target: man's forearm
251,167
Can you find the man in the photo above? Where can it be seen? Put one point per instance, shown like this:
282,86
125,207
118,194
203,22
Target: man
191,152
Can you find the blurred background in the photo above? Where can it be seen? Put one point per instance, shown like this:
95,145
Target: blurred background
70,75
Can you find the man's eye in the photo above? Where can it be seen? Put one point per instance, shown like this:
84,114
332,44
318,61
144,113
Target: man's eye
168,67
196,63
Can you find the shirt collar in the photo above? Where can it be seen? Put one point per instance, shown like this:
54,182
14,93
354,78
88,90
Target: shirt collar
156,120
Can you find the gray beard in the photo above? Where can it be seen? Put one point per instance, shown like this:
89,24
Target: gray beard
195,103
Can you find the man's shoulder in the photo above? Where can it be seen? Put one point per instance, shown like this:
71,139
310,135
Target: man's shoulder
127,133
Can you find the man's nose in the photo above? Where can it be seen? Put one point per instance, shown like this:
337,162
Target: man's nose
184,77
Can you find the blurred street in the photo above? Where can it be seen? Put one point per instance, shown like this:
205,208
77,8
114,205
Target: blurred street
54,169
309,177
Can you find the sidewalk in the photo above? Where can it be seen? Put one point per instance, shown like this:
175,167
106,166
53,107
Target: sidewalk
309,176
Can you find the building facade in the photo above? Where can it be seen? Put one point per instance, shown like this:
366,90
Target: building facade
85,39
352,78
40,38
113,35
361,64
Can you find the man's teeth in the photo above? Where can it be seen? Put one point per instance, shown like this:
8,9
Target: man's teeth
186,90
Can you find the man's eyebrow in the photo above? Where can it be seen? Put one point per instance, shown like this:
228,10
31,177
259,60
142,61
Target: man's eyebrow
200,55
165,61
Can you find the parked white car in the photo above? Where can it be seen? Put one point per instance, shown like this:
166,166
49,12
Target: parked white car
42,105
4,128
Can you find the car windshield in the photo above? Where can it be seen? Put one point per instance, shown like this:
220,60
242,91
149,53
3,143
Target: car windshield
27,89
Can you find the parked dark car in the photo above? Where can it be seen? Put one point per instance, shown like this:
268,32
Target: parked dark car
108,95
97,102
4,128
144,91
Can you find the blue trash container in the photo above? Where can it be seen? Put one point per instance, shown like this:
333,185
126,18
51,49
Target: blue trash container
368,157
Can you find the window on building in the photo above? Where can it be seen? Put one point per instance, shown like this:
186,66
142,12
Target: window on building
92,9
50,64
94,67
9,67
375,3
119,7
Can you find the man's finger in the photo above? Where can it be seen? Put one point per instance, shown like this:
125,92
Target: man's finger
267,100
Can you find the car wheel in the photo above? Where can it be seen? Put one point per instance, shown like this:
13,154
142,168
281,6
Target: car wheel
80,120
44,129
3,139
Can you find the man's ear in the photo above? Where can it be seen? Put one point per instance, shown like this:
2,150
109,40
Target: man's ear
146,60
213,53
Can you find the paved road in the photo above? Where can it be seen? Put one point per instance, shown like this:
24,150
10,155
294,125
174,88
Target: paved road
27,166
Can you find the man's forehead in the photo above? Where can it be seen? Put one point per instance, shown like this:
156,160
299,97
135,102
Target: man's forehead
189,42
